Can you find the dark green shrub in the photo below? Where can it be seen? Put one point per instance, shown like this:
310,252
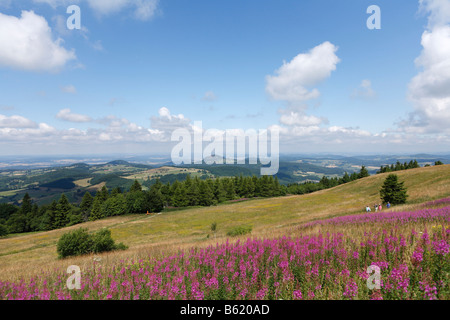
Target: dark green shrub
3,230
74,243
80,242
239,231
103,242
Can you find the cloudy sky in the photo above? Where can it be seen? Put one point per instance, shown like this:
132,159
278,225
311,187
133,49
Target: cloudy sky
136,70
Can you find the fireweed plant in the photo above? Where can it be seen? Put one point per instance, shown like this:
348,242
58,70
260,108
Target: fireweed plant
325,259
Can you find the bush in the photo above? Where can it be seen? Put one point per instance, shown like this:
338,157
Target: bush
239,231
74,243
3,230
103,241
80,242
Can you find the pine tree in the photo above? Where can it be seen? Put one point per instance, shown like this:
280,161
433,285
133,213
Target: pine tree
205,194
18,222
155,199
63,209
346,178
97,212
179,196
103,194
229,189
193,192
86,205
363,173
116,191
219,191
26,204
393,191
48,220
136,187
33,218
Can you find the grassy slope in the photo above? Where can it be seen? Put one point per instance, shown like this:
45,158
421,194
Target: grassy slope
168,232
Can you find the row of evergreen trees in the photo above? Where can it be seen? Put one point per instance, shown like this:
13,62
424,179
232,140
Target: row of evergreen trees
190,192
399,166
325,182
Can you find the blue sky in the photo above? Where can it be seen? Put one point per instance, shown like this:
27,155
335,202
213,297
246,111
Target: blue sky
138,69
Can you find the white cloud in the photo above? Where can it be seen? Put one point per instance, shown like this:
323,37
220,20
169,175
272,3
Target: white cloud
16,122
429,89
69,89
146,9
26,43
292,82
167,122
57,3
439,11
298,119
67,115
143,9
364,91
209,96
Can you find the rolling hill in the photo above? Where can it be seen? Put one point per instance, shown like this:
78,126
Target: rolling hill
170,231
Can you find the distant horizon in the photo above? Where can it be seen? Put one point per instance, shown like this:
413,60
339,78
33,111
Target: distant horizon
167,155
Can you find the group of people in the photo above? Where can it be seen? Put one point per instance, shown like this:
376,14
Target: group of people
377,207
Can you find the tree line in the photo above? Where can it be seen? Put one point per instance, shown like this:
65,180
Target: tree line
29,217
326,183
398,166
60,213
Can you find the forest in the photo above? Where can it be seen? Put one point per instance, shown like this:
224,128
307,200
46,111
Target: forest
190,192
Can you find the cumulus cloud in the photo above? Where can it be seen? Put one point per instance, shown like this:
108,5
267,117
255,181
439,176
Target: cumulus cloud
56,3
294,80
167,122
69,89
299,119
438,10
67,115
16,122
429,89
364,91
209,96
142,9
27,43
114,134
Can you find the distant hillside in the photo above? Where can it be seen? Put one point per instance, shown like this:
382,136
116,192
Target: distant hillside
172,230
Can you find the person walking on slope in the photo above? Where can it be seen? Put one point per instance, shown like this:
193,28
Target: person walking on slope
379,207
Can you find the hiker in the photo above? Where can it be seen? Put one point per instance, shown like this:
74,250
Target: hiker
376,207
388,205
367,209
379,207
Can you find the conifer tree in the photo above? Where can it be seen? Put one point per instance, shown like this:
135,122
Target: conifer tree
393,191
63,209
96,212
86,205
136,187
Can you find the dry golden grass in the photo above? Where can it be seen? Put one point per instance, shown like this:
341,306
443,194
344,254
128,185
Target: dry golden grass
83,182
167,233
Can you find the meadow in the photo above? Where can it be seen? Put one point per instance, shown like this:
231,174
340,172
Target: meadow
315,246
